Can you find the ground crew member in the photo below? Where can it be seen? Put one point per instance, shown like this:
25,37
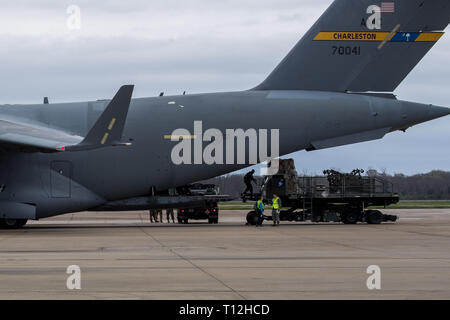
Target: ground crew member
276,206
260,212
153,217
159,213
169,213
248,179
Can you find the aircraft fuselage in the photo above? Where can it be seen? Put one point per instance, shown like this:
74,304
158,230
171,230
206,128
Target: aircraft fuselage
73,181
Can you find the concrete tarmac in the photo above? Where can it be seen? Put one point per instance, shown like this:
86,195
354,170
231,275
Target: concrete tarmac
123,256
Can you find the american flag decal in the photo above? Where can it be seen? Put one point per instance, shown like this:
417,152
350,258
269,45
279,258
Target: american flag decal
388,7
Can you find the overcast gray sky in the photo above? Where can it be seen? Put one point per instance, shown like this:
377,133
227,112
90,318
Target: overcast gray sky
198,46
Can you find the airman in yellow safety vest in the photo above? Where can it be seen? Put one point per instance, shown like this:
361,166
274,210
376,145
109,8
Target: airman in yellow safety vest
276,206
260,212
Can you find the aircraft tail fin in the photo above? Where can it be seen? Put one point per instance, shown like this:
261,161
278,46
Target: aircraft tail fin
362,45
108,129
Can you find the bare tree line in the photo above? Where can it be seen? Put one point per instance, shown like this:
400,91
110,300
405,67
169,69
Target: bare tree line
434,185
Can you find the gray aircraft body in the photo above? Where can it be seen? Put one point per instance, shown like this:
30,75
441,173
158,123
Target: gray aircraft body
334,88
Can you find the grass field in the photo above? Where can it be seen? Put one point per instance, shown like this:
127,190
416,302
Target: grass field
407,204
421,204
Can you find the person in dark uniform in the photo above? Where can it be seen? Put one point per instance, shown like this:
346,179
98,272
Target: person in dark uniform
248,179
169,214
153,217
159,213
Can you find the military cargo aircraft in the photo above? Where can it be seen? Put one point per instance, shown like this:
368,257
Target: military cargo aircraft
334,88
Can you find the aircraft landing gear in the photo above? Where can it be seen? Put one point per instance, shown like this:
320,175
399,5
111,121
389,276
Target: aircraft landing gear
350,216
12,223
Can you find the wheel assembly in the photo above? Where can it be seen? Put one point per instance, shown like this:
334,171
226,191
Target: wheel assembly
252,218
12,223
350,217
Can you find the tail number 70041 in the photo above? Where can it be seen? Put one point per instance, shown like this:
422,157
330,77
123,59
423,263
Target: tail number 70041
346,51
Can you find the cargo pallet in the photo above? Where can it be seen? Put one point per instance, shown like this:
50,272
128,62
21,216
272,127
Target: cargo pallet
336,197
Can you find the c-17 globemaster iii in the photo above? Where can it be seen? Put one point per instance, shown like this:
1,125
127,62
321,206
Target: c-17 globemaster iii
334,88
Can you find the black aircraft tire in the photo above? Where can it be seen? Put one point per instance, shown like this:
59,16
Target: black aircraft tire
12,223
252,218
374,217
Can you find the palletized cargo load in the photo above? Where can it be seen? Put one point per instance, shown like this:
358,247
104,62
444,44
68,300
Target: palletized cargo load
334,197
